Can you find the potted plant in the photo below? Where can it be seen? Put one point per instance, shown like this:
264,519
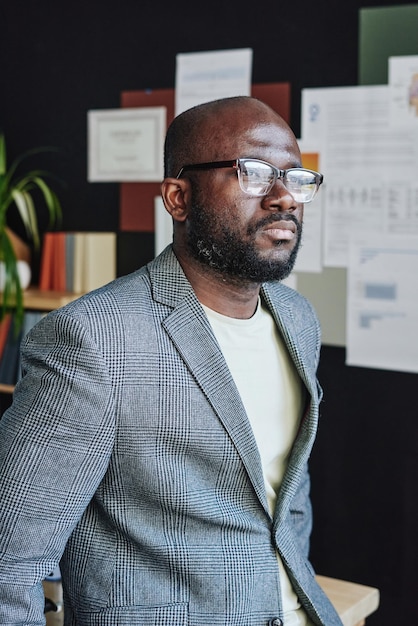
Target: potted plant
21,190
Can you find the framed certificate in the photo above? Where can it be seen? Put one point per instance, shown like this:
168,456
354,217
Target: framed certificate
126,145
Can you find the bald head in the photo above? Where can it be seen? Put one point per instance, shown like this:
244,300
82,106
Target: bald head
214,130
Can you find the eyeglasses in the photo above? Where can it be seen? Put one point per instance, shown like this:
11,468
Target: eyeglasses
257,178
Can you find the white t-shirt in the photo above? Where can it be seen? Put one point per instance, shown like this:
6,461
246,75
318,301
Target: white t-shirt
273,396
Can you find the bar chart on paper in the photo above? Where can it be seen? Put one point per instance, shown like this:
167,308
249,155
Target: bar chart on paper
382,303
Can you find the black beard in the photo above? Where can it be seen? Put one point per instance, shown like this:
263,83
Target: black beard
219,248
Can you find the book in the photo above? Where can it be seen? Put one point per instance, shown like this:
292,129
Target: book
45,272
99,259
4,329
77,261
59,262
69,261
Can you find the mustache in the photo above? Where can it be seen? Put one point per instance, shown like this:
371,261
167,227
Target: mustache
271,219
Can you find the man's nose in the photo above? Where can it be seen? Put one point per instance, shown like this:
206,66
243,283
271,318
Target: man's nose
279,198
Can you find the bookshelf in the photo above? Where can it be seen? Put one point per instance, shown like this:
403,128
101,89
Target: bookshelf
34,298
40,300
6,388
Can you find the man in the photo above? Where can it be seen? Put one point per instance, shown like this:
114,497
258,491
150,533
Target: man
159,438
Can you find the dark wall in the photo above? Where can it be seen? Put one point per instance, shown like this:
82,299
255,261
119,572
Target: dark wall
60,59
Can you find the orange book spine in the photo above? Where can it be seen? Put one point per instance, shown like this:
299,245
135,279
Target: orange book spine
4,329
58,268
45,273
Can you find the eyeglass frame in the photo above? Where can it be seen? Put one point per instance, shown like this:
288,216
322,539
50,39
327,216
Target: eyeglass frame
279,174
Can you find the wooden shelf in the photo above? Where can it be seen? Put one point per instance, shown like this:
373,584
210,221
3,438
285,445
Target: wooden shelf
38,300
352,601
6,388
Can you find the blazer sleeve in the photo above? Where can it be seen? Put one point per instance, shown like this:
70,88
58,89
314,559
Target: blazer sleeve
55,444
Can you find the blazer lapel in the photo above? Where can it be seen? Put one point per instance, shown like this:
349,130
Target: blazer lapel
283,316
191,333
303,356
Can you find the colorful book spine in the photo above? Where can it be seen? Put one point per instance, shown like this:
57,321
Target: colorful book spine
77,261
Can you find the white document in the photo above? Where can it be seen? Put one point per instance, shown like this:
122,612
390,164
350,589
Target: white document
126,145
205,76
382,303
403,83
163,226
370,167
309,257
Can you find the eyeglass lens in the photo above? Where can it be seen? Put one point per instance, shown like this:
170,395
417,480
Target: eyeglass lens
257,178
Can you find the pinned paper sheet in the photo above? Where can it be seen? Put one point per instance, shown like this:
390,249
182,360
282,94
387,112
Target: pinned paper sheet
369,166
205,76
382,303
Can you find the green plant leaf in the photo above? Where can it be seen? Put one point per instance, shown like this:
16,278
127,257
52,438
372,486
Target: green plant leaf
51,200
12,291
18,190
27,212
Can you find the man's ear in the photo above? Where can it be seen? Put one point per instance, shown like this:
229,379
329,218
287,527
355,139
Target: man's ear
176,194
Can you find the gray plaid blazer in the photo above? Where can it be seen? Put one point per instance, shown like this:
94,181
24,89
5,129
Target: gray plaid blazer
127,452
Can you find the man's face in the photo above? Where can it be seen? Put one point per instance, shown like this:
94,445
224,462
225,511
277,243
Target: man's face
243,237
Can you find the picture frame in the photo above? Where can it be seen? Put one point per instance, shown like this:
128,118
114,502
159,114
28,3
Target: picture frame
126,145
